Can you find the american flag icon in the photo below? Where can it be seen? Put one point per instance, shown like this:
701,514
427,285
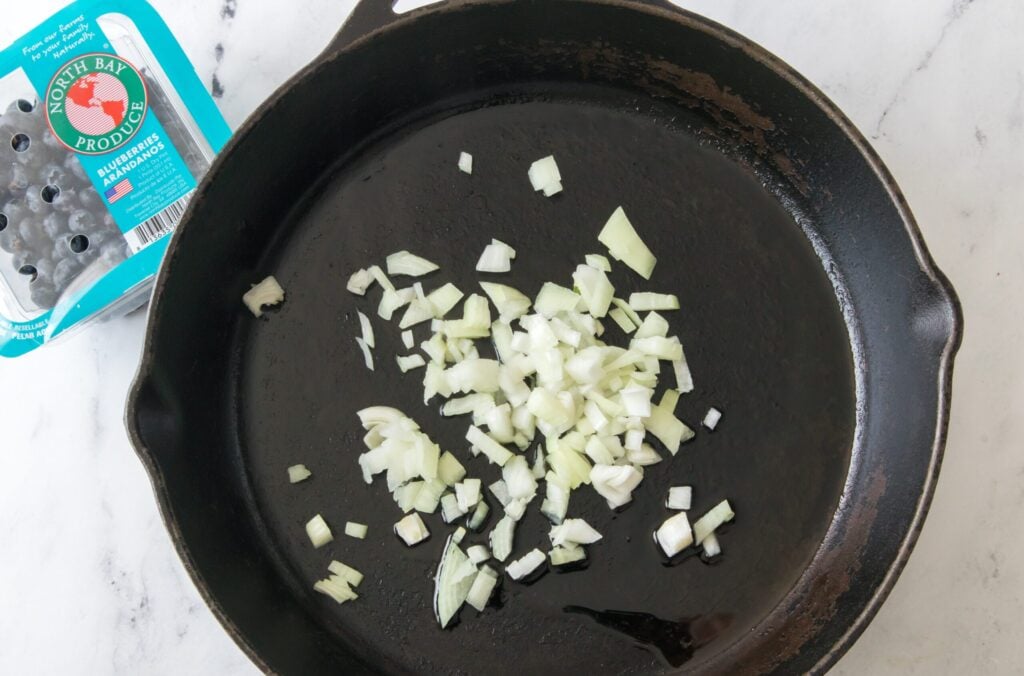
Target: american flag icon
118,191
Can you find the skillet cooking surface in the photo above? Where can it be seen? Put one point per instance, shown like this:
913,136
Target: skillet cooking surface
760,323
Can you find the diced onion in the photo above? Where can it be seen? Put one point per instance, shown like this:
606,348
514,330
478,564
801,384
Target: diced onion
366,329
496,257
359,282
413,361
478,554
405,263
679,497
510,303
642,302
595,289
318,531
711,418
711,546
553,299
501,538
544,176
598,261
480,592
465,163
468,494
267,292
674,535
408,340
479,516
623,320
715,517
337,588
449,469
668,429
575,531
525,565
494,451
625,244
454,578
412,530
615,483
356,530
297,473
346,573
450,510
563,556
367,355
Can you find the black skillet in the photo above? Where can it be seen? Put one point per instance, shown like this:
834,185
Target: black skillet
812,314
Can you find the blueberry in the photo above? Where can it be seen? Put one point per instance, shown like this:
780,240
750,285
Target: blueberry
53,225
15,212
34,200
44,269
65,272
53,174
17,180
43,294
82,221
21,259
11,241
67,200
90,199
32,232
114,252
72,164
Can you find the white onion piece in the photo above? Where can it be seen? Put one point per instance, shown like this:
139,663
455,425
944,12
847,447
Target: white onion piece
367,355
510,303
641,302
297,473
405,263
379,276
711,546
413,361
575,531
518,478
556,500
318,531
449,470
623,320
454,578
715,517
615,483
625,244
711,418
478,554
443,299
267,292
337,588
450,509
359,282
480,592
419,311
553,299
459,533
525,565
468,494
669,400
465,163
412,530
476,520
598,261
544,174
674,535
500,491
356,530
630,312
516,508
392,300
563,556
644,457
679,497
408,340
499,423
496,257
684,379
668,429
653,325
474,375
346,573
501,538
429,496
552,189
595,289
636,400
494,451
668,349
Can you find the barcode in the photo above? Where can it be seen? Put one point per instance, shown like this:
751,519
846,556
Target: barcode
152,229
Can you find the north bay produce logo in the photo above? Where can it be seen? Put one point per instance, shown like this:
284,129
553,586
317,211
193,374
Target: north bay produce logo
96,103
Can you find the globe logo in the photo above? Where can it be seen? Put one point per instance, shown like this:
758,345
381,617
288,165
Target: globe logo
96,104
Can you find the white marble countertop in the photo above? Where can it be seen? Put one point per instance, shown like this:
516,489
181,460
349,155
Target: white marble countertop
89,581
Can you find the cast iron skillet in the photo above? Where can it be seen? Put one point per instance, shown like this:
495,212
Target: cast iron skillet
812,315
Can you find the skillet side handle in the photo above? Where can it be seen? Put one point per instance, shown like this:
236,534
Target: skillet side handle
152,423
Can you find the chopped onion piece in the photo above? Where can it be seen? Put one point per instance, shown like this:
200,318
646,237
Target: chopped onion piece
454,578
516,508
367,329
356,530
346,573
598,261
525,565
711,418
408,340
496,257
518,478
668,429
614,483
595,289
478,553
644,457
337,588
419,311
711,546
392,300
623,320
501,538
625,244
668,349
297,473
575,531
412,530
494,451
449,470
510,303
443,299
459,533
450,510
468,494
499,423
480,592
267,292
465,163
563,556
413,361
553,299
381,278
405,263
641,302
474,375
674,535
653,325
367,355
716,516
552,189
476,520
318,531
636,400
544,174
359,282
630,312
669,400
556,500
684,379
500,491
679,497
429,496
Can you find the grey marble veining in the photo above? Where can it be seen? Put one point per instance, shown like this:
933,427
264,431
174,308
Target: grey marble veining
89,581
